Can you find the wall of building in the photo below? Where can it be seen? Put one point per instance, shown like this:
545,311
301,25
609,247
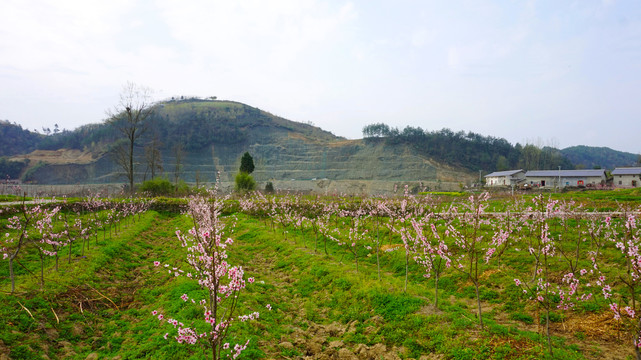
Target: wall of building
551,182
627,181
497,181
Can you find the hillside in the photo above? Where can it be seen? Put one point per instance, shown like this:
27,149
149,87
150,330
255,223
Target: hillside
589,157
16,140
212,135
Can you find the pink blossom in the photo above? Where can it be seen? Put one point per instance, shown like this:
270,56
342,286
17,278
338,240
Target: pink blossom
630,311
583,272
615,309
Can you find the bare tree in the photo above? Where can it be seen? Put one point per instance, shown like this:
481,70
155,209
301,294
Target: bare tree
129,118
153,156
178,168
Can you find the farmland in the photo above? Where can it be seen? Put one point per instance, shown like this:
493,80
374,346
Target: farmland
552,276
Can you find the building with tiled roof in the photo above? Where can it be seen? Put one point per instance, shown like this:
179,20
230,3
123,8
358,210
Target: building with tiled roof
565,178
628,177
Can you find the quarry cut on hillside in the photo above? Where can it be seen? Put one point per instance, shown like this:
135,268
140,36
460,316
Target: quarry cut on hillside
59,157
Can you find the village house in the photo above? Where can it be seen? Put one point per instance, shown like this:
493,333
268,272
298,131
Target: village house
505,178
629,177
565,178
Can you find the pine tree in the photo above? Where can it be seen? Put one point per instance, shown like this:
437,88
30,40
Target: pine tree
247,163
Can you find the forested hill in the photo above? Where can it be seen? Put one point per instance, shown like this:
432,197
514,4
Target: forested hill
601,157
192,123
16,140
197,124
470,150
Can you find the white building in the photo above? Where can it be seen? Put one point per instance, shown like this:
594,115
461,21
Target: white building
505,178
627,177
563,178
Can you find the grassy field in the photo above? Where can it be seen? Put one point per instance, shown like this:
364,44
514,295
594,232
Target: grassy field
100,305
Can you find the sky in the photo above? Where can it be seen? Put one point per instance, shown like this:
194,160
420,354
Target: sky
551,72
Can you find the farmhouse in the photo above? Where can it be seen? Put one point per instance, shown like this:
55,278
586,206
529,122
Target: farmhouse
505,178
629,177
564,178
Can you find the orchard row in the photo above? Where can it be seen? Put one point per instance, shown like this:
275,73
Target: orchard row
558,253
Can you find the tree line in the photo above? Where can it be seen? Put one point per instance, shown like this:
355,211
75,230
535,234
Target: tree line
468,149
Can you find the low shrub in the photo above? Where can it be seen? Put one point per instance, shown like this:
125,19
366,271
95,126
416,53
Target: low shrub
158,187
245,182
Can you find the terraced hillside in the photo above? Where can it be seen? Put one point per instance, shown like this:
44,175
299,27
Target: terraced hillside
214,134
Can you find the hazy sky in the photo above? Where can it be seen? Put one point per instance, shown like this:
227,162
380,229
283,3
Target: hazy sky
551,72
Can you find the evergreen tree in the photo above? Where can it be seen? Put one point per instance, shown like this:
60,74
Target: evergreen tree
247,163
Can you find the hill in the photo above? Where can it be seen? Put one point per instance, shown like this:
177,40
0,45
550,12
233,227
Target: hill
589,157
469,150
16,140
208,137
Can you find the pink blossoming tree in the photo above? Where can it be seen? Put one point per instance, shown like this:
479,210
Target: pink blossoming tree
206,245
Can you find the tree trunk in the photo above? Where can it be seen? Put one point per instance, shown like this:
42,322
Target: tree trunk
42,272
378,250
316,243
407,264
547,329
325,243
131,165
436,290
13,280
478,302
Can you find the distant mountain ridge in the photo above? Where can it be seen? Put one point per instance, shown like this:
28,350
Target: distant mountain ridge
589,157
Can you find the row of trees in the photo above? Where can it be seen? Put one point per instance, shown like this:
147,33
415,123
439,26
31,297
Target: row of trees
207,243
559,255
60,230
470,150
50,229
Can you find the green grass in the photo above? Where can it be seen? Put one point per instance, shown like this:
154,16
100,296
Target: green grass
102,302
13,198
